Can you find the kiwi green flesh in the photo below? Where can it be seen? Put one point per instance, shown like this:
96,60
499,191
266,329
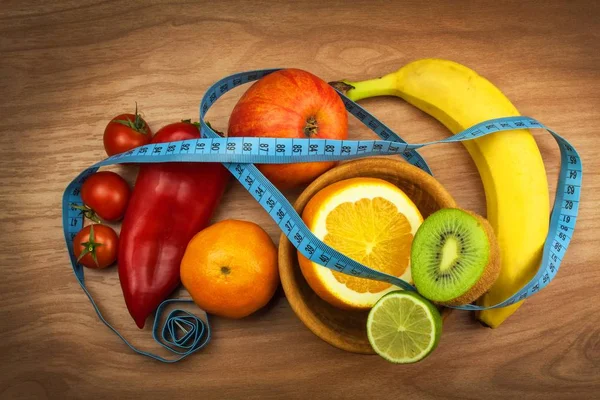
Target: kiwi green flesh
449,254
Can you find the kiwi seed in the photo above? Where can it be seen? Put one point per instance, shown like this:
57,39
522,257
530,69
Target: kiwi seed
455,257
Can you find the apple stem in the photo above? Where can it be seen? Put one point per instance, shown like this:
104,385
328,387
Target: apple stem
311,127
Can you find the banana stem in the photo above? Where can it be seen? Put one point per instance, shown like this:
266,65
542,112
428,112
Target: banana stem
384,86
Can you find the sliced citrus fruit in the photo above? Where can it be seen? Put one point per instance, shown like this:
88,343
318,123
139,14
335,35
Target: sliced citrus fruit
371,221
403,327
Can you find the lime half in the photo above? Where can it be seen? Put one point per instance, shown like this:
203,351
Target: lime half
403,327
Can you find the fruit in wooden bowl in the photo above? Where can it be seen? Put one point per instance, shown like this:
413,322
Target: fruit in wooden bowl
346,329
369,220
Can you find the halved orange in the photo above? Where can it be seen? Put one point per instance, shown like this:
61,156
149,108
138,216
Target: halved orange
369,220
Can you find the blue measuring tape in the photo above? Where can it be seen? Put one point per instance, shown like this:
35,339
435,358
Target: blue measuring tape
239,154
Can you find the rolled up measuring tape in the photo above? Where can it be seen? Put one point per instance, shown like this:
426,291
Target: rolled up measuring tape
239,154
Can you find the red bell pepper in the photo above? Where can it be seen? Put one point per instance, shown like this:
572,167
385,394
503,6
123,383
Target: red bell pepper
170,203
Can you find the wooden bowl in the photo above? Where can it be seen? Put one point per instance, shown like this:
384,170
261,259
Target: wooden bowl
341,328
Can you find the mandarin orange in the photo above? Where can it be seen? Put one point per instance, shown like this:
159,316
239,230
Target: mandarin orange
230,268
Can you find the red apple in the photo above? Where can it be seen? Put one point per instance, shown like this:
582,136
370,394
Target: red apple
290,103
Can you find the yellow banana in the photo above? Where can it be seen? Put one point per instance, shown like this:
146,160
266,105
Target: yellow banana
509,163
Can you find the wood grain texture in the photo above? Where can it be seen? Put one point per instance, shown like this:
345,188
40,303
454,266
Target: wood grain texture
67,67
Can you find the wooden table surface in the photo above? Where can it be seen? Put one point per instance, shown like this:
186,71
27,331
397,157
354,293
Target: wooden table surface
67,67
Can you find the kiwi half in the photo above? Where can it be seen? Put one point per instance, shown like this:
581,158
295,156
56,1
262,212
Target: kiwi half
455,257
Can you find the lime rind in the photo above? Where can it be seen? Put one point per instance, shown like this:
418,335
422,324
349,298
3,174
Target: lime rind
404,336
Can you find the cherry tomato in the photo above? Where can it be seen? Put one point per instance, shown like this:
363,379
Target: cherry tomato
106,194
176,131
96,246
125,132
